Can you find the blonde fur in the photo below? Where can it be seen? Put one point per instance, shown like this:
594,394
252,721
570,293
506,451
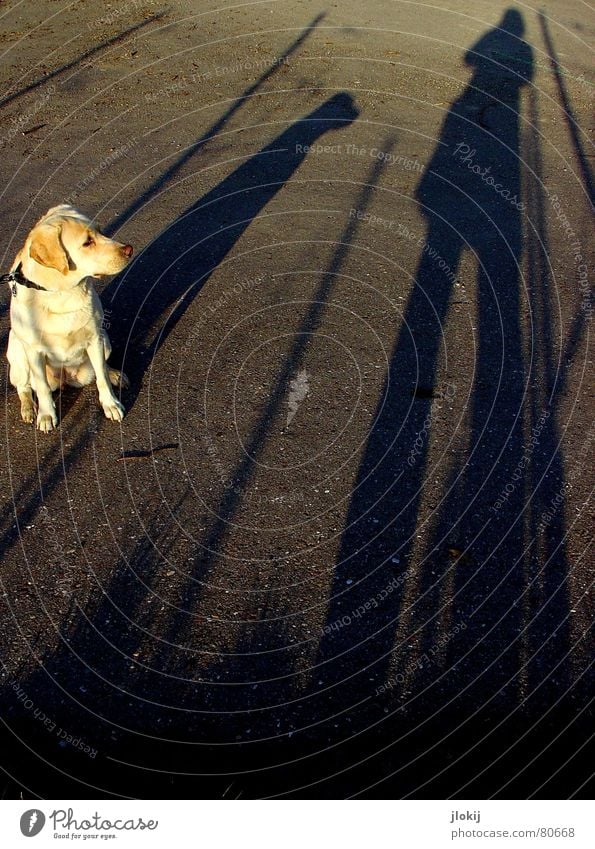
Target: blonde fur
57,336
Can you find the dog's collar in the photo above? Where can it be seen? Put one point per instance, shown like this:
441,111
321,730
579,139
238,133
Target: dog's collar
16,277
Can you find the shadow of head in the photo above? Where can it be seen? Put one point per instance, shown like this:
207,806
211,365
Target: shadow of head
337,111
501,56
512,22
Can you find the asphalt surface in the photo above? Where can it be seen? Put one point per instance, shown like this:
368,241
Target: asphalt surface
340,544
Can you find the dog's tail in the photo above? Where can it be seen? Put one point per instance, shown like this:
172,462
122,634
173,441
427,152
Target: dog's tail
118,378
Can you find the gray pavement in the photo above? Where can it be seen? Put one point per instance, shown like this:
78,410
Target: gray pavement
340,544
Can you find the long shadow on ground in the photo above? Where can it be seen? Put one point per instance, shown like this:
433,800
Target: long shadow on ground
459,676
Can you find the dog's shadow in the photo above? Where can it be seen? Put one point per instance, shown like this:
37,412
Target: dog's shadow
159,286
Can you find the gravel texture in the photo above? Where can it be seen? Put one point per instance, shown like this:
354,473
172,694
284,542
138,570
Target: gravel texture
340,544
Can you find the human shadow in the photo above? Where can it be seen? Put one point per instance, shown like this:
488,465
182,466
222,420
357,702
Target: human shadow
162,180
30,493
541,667
168,275
160,286
110,648
466,642
470,197
512,670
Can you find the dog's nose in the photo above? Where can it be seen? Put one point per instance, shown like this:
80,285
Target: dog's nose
127,250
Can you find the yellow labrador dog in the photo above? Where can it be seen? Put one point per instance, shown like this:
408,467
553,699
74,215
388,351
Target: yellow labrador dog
57,335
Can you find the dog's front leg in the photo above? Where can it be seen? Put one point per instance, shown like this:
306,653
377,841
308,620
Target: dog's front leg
111,406
46,412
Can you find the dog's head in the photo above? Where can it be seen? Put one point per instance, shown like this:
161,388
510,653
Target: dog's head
65,241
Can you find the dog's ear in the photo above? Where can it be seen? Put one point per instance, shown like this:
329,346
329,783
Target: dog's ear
45,247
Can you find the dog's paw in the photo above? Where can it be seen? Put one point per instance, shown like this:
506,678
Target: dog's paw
113,410
27,412
46,423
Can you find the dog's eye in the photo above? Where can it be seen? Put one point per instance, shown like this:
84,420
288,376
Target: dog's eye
90,241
